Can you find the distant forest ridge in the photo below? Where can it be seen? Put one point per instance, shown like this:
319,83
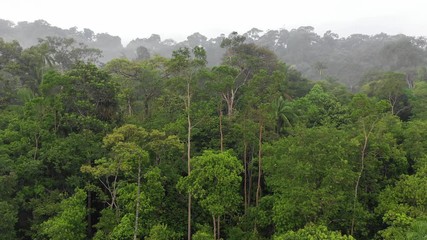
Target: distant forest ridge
346,59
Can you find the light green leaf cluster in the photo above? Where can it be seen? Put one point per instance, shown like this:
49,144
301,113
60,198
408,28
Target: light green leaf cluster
70,223
313,232
214,181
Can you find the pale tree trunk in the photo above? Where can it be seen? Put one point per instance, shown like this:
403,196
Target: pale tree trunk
409,81
258,190
362,168
129,107
188,104
89,207
220,131
230,96
114,193
245,180
229,99
393,102
250,182
214,226
135,234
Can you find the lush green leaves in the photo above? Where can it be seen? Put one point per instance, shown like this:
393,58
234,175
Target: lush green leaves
214,181
69,223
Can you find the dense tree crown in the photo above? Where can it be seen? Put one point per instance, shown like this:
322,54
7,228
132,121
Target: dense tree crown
175,147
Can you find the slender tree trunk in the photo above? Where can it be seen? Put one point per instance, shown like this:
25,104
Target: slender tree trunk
258,189
218,228
231,104
362,168
89,207
409,81
214,226
114,194
55,127
245,180
36,139
229,99
129,107
250,176
189,157
220,130
135,233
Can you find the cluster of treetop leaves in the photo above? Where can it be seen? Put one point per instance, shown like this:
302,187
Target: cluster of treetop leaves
171,148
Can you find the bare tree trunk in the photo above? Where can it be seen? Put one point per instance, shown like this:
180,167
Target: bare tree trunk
129,107
250,177
218,228
114,191
362,168
189,157
245,190
220,130
89,207
214,226
135,233
229,106
409,81
114,194
258,190
36,139
229,99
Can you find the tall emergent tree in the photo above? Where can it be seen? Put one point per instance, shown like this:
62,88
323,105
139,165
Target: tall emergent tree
185,69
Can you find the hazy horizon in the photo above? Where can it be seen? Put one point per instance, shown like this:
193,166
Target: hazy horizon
179,19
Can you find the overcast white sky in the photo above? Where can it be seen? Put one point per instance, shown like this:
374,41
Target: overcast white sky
177,19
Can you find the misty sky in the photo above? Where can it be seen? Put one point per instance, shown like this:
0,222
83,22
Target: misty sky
177,19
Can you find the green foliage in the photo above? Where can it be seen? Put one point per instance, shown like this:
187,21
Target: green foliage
311,177
403,207
140,83
415,142
66,52
162,232
70,221
417,98
214,181
204,233
8,214
319,108
391,87
106,224
313,232
327,162
124,229
418,229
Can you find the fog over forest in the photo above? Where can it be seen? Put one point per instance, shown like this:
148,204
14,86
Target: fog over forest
345,59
